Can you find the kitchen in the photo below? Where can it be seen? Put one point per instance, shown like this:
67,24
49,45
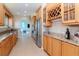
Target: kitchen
16,26
39,29
61,29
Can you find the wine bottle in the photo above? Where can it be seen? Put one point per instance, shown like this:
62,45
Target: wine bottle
67,34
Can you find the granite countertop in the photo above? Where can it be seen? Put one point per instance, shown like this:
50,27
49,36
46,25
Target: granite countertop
4,36
62,38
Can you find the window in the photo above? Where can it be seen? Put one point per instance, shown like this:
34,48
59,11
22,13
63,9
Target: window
6,20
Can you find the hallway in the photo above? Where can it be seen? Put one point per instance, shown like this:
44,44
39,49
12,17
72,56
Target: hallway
26,47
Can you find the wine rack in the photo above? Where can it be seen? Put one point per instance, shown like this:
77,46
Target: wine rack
55,12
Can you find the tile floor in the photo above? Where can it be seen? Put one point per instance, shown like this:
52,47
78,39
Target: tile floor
26,47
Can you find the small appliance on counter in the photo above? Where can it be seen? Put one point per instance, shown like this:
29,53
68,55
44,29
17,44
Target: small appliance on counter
76,37
76,34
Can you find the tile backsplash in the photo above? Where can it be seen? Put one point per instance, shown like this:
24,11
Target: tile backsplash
58,27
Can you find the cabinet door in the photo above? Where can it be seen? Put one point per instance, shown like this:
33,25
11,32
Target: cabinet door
68,13
4,48
44,43
49,45
9,44
0,51
56,47
10,41
44,15
1,14
69,49
14,39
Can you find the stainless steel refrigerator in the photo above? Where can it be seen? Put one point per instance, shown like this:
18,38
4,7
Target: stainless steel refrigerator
38,40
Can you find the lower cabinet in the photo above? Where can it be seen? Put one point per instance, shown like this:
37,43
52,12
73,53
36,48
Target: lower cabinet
49,45
69,49
45,43
52,46
4,48
56,47
0,50
14,39
7,44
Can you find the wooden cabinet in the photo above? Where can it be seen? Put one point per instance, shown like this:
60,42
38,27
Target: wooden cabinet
4,11
10,41
4,47
69,49
56,47
34,21
0,50
7,44
44,15
11,21
49,45
2,14
9,16
48,23
48,20
52,46
14,39
53,11
45,43
70,13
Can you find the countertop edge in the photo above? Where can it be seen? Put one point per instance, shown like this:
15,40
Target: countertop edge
64,40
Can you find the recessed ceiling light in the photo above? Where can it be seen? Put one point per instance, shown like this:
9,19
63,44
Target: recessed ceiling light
24,14
26,5
25,11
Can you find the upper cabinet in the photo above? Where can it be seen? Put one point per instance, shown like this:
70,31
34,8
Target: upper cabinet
53,11
39,13
11,22
34,20
2,14
44,15
9,16
70,13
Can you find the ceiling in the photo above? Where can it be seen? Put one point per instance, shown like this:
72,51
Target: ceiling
22,9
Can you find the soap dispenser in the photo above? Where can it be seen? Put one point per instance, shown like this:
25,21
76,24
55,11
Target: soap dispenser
67,34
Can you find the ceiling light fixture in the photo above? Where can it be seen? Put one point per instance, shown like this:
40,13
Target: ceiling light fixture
24,14
25,11
26,5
